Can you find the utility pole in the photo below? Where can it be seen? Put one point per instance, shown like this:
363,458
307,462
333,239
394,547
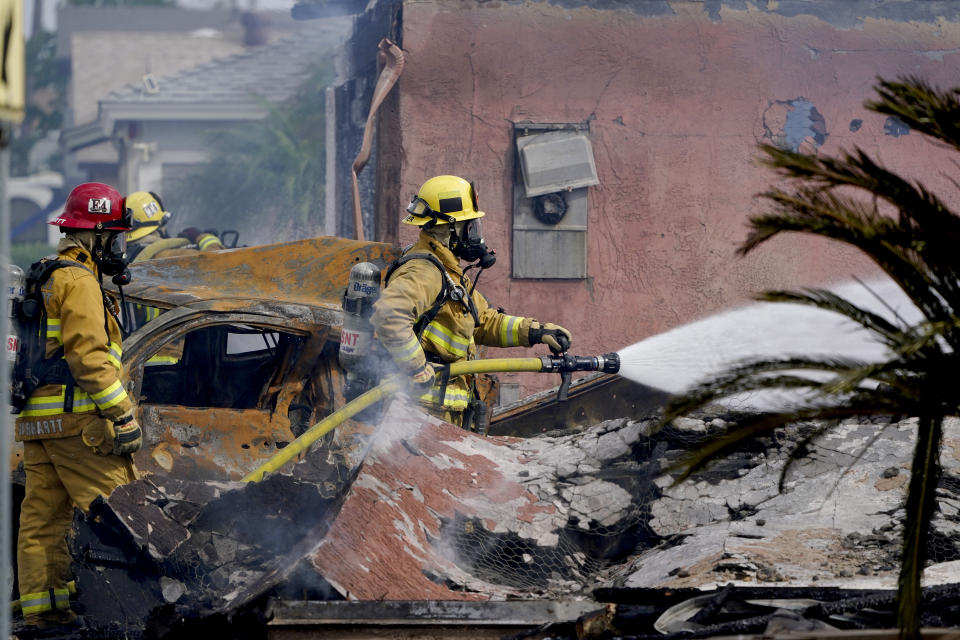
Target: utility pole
12,106
6,428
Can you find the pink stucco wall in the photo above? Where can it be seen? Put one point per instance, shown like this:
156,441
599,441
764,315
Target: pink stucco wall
677,104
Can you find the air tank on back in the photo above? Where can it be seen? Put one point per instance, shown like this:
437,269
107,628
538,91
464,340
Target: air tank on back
15,290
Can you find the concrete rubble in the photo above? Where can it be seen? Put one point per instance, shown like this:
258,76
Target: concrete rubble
432,512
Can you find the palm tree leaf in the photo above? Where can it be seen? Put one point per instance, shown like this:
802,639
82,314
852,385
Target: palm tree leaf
921,106
934,292
752,427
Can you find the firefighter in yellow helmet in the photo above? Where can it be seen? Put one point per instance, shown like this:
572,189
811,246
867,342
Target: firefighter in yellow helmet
77,424
428,312
148,239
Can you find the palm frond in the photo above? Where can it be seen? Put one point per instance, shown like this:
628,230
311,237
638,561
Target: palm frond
797,453
858,170
768,373
921,106
916,258
754,426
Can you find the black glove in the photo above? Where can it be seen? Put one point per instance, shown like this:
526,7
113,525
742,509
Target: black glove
190,233
127,435
552,335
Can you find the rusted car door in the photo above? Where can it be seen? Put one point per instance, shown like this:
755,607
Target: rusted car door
230,389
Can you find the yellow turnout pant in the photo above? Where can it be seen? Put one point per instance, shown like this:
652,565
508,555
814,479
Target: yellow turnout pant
60,473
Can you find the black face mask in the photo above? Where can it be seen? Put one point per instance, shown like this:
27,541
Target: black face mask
468,245
111,257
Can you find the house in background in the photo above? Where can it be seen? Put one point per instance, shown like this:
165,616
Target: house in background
158,128
143,42
614,144
106,48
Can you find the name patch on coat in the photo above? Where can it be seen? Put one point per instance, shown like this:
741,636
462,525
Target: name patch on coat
40,427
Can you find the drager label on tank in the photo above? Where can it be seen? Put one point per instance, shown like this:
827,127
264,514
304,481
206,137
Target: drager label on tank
364,288
40,427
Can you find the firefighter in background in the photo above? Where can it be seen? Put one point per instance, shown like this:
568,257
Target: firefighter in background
428,312
78,427
148,238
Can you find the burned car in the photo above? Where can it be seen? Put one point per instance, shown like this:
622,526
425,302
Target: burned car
243,356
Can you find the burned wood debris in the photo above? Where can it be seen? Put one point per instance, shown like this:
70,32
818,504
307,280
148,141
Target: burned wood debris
163,555
419,510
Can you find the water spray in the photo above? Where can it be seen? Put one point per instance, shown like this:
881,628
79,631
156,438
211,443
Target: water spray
564,364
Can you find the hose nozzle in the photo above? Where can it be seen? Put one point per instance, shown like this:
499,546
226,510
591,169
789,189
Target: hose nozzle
606,363
566,364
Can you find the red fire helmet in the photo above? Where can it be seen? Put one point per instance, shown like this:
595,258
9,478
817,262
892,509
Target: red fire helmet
93,205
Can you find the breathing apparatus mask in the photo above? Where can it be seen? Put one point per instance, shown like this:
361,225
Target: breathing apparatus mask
110,254
466,242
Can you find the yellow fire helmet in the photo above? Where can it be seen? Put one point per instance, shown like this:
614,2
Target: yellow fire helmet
148,214
442,200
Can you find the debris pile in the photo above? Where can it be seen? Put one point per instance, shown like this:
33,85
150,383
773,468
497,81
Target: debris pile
180,553
437,513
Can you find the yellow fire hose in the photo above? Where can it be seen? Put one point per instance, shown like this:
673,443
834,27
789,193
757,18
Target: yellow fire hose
563,364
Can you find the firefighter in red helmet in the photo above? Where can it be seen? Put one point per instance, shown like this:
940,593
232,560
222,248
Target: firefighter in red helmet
78,425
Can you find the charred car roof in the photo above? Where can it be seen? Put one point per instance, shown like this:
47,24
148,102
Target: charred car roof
309,272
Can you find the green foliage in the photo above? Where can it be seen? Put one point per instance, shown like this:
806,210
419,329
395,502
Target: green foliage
25,254
264,178
46,100
912,236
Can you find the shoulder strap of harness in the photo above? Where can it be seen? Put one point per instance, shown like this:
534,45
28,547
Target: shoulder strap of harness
446,287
